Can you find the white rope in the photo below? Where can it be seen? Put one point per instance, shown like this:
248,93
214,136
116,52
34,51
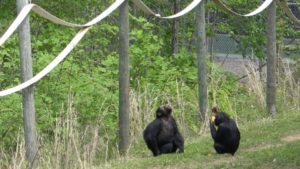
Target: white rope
261,8
147,10
40,11
258,10
43,13
65,52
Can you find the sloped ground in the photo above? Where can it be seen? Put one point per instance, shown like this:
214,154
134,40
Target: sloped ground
265,144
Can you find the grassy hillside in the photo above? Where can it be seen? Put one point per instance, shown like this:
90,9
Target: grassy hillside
267,143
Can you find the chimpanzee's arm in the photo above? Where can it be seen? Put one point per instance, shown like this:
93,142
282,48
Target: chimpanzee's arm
178,140
174,124
213,131
220,134
150,136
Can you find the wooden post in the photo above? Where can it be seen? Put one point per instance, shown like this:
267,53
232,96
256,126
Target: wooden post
124,79
201,59
271,59
28,93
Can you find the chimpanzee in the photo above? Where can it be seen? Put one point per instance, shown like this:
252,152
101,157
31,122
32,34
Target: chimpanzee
227,136
162,135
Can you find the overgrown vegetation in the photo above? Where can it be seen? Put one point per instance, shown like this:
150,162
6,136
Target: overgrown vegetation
77,103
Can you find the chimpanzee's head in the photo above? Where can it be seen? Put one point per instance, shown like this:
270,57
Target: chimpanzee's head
164,111
220,116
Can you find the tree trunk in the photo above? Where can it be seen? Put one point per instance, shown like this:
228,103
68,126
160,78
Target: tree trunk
175,28
183,25
123,79
211,39
271,59
28,93
260,68
134,13
201,57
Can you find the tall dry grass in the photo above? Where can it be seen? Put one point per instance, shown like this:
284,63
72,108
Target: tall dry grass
288,89
75,146
256,83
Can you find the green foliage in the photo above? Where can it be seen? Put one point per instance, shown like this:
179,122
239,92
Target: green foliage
149,67
10,107
222,88
89,78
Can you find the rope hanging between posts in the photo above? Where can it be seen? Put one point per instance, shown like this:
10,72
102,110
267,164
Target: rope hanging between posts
140,4
85,27
261,8
65,52
40,11
43,13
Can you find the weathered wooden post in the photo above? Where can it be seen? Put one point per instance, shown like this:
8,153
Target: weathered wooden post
124,137
28,93
201,59
271,59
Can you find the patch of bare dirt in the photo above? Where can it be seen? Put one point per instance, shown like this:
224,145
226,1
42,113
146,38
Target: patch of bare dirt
291,138
286,139
263,147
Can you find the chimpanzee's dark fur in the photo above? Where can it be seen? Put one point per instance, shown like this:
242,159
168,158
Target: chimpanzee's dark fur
162,135
227,136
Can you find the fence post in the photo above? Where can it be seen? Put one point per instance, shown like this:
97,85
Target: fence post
124,137
201,59
28,93
271,58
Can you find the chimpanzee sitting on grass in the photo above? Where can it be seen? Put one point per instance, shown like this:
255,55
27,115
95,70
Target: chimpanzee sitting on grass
162,135
227,136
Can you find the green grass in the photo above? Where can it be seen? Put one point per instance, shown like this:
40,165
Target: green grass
265,144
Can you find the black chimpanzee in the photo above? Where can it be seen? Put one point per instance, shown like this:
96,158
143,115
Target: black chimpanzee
162,135
227,136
